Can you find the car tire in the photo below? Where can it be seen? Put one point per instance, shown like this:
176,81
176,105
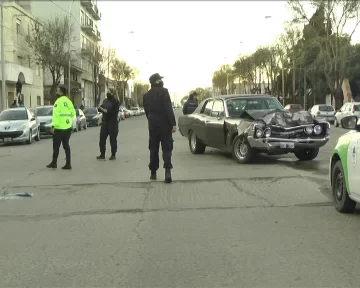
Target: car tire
29,141
306,154
342,202
195,145
241,150
336,123
37,137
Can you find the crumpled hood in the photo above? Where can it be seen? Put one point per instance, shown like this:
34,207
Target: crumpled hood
282,118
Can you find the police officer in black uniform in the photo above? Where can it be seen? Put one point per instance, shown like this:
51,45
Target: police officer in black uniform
109,126
191,104
162,123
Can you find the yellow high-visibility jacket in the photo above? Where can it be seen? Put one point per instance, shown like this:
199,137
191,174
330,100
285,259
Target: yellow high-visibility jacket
63,113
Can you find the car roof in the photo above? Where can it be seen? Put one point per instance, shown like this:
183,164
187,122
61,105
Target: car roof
231,96
44,106
16,108
356,103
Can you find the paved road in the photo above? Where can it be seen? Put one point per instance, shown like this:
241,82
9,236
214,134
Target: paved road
220,224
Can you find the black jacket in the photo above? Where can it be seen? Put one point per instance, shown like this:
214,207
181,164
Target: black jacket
112,107
190,106
158,108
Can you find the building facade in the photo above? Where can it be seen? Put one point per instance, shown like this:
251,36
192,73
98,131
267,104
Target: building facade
20,69
84,46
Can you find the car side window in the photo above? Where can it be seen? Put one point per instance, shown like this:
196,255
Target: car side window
208,108
218,109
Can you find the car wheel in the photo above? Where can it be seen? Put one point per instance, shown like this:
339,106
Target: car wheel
29,141
37,138
306,154
196,147
343,203
241,150
336,123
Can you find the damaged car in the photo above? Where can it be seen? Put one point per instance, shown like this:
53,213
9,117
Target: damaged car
246,125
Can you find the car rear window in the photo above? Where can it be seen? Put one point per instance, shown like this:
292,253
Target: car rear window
357,107
326,108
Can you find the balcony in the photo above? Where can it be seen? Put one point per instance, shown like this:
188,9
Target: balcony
98,35
87,49
92,9
88,28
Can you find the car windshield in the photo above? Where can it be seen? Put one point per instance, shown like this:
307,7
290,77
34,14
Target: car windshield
44,111
237,106
296,106
326,108
88,111
9,115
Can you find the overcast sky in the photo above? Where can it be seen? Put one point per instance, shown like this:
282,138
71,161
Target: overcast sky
187,41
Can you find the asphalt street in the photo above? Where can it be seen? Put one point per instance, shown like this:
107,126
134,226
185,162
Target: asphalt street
219,224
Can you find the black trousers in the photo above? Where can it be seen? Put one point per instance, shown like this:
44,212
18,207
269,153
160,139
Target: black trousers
61,137
161,135
109,129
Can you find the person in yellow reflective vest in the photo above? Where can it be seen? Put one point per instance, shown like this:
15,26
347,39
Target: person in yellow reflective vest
62,118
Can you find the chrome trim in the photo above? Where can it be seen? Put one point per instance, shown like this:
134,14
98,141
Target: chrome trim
271,142
307,140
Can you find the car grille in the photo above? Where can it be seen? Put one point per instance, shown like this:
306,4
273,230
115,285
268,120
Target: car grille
11,134
289,134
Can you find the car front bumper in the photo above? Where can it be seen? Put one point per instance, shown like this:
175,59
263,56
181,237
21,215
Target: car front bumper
45,129
286,145
325,118
92,122
16,136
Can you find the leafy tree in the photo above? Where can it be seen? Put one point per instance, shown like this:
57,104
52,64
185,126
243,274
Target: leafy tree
49,45
334,43
122,73
139,90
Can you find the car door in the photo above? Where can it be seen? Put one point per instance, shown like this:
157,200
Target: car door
32,122
353,165
214,126
199,123
342,112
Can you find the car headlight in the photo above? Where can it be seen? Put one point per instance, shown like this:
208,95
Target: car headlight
259,133
317,129
308,130
267,132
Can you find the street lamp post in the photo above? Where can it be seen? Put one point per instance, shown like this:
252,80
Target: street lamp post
3,95
69,48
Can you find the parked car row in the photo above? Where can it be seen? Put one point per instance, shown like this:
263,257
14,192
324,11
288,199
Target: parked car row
22,124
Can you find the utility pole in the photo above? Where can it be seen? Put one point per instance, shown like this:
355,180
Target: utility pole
69,50
305,94
3,95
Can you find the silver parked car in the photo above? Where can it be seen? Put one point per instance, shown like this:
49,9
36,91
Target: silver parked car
44,116
323,112
348,109
93,116
80,120
18,125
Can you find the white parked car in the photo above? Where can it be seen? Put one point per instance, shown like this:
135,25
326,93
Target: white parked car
323,112
348,109
18,125
136,110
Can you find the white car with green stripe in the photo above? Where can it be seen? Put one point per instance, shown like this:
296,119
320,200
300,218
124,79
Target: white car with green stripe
345,167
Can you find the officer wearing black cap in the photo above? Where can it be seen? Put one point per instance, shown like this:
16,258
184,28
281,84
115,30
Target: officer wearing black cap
109,126
162,123
191,104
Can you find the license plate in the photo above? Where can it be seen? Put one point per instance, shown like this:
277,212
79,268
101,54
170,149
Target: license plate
7,139
287,145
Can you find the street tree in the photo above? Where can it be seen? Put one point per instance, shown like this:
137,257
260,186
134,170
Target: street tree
49,45
333,41
224,77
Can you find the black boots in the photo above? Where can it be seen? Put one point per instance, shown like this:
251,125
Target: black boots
67,165
168,178
101,156
52,165
112,157
153,175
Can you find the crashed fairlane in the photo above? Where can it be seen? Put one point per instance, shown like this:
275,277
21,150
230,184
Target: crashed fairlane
248,124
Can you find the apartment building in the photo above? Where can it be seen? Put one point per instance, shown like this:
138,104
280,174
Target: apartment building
19,67
84,46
